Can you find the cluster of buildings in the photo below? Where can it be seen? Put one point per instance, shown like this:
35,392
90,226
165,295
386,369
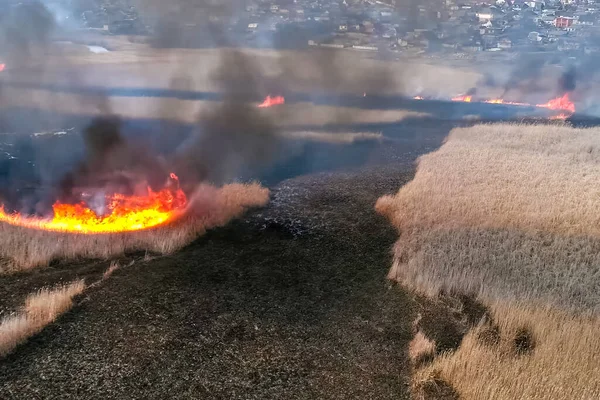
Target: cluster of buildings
403,26
466,28
536,25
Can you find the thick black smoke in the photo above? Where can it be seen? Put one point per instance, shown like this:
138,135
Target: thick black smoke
568,80
234,136
524,77
230,139
112,164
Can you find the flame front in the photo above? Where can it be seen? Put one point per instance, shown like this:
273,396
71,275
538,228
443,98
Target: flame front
562,103
126,213
465,98
272,101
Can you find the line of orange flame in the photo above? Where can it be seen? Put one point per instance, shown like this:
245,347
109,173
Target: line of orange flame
126,213
562,103
272,101
465,98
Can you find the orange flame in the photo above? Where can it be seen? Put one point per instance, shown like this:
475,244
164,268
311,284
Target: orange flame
272,101
126,213
562,103
418,97
465,98
560,116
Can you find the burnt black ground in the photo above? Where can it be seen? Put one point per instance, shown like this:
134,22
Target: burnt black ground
291,302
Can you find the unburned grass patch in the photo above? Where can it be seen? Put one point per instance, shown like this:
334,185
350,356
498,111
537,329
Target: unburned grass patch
508,215
40,309
421,349
209,207
563,362
503,211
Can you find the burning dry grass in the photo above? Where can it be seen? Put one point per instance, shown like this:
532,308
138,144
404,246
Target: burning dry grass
187,111
40,309
510,214
209,207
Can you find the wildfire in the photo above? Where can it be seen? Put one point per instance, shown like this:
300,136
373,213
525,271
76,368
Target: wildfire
418,97
560,116
560,103
125,213
2,66
464,98
272,101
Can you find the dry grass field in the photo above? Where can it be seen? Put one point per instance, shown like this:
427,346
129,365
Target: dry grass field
538,354
508,214
40,309
187,111
134,65
209,207
138,65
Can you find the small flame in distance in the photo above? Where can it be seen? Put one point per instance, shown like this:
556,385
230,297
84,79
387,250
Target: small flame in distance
272,101
562,103
125,213
2,66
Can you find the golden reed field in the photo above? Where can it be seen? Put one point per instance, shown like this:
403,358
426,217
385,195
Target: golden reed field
509,214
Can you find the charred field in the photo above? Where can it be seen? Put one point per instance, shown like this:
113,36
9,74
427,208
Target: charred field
226,222
290,301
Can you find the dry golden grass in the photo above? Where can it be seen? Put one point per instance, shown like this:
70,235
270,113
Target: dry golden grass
563,364
509,213
335,138
137,65
504,211
526,177
420,348
306,113
110,270
187,111
209,207
40,309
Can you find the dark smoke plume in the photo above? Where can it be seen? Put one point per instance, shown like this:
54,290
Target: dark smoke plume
234,136
568,80
111,164
229,140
